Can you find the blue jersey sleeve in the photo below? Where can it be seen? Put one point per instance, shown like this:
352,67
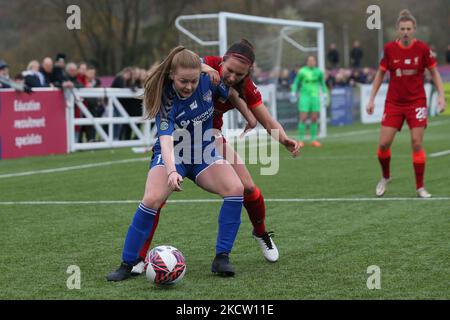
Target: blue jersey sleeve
221,90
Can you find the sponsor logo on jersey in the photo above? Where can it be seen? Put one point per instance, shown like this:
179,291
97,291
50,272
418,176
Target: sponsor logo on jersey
409,72
193,105
183,124
398,72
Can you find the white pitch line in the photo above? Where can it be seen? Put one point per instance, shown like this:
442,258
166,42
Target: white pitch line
369,131
439,154
63,169
187,201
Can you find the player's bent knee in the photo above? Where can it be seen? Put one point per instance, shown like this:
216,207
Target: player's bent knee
235,188
249,187
384,146
153,202
417,147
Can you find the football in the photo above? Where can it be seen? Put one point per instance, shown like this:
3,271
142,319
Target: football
165,265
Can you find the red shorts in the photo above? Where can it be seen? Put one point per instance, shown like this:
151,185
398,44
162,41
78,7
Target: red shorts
394,116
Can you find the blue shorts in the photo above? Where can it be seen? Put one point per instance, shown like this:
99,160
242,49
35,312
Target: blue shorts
190,170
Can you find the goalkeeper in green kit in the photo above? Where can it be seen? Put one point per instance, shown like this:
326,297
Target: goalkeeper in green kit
310,79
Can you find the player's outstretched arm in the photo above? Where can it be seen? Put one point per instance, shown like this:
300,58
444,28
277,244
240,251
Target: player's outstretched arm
375,87
174,179
437,80
244,110
274,128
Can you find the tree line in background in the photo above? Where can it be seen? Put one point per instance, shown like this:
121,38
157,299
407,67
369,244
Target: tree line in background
119,33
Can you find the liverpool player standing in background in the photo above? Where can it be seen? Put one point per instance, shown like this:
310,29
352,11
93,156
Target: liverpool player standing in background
406,60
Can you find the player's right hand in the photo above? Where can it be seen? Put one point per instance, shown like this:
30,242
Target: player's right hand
174,181
370,107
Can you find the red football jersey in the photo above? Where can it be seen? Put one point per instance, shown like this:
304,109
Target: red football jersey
251,93
406,66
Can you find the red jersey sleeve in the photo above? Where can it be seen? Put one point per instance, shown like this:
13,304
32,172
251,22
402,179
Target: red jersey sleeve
213,61
252,94
384,63
429,57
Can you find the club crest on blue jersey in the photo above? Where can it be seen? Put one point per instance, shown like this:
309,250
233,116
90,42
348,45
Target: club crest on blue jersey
207,96
164,125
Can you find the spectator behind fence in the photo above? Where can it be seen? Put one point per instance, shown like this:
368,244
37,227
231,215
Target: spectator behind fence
122,80
94,105
60,76
356,55
47,71
81,76
34,78
72,75
132,106
333,56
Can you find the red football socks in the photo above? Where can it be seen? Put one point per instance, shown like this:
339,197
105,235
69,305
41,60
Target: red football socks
384,157
419,159
256,209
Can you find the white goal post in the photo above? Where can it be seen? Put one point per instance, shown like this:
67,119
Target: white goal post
211,34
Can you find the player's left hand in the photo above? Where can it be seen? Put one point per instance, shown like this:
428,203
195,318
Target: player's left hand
248,128
441,104
293,146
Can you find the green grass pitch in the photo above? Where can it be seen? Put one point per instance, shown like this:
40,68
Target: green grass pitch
326,241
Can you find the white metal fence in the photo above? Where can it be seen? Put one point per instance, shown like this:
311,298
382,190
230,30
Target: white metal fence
106,127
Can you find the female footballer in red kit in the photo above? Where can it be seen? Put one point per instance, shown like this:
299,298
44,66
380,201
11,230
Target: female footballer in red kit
406,60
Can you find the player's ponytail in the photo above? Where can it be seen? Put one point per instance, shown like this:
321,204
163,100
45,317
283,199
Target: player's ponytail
159,77
405,15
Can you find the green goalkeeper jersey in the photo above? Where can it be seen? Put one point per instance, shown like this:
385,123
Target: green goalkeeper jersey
311,79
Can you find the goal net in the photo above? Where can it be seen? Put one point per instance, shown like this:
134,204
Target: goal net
280,45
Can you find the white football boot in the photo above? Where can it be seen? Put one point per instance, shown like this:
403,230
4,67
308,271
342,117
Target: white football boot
381,186
268,247
422,193
138,268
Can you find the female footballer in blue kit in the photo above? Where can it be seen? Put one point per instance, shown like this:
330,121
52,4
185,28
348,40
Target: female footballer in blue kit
179,96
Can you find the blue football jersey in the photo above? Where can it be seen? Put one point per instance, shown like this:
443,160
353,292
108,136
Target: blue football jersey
189,117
